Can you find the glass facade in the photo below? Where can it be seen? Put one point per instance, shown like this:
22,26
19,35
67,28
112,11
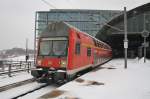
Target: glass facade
89,21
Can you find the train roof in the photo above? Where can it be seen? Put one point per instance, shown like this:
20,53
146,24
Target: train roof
61,28
55,29
58,29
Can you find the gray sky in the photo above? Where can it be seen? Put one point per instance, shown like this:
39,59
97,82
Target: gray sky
17,16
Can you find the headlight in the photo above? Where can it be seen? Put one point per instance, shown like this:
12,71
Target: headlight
39,62
49,63
63,63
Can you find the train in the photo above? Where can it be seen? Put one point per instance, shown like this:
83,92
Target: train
64,51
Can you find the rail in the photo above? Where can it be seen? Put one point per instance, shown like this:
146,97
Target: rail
10,86
28,92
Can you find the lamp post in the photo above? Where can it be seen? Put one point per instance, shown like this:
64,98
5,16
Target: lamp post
125,39
125,36
35,38
145,34
145,44
27,54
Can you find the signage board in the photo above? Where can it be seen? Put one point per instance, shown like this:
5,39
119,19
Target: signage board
126,44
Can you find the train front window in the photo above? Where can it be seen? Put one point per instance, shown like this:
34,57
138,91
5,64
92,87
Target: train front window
45,47
59,48
53,47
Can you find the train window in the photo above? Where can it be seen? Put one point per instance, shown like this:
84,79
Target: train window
78,35
45,47
88,51
97,43
77,49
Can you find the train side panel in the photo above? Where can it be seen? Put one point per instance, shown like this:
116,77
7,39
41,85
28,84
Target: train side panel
84,53
80,52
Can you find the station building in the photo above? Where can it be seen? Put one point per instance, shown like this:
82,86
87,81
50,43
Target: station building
89,21
138,21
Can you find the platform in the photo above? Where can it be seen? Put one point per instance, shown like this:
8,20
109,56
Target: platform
111,81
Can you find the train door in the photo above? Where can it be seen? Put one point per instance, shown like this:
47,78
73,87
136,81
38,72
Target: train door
95,58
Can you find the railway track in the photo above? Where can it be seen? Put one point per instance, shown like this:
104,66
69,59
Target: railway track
17,84
30,91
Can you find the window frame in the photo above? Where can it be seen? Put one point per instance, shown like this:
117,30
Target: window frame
89,51
77,48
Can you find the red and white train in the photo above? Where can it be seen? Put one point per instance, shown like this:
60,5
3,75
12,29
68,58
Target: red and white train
64,51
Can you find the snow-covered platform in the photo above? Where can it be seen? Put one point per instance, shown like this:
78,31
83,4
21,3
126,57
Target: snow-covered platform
111,81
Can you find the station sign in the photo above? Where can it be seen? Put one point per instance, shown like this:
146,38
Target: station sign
146,44
145,33
125,44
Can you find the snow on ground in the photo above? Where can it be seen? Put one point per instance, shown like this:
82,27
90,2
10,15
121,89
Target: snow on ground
111,81
20,76
17,77
17,58
38,93
20,58
19,90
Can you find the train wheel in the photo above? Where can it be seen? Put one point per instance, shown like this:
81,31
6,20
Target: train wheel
43,80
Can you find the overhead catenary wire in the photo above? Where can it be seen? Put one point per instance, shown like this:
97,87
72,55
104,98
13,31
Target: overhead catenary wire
49,4
73,4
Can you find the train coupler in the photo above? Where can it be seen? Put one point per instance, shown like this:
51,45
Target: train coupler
41,76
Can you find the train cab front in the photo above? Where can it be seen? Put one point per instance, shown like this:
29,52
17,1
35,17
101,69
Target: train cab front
51,61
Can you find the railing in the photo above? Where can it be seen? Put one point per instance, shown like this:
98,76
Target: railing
9,67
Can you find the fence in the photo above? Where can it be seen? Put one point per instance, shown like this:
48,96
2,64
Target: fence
9,67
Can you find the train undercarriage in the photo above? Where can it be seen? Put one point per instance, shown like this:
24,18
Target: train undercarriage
45,75
50,76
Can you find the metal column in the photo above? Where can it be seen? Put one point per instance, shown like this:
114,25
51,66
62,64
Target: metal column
125,38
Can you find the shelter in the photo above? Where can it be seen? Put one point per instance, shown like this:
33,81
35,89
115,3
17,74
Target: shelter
138,20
